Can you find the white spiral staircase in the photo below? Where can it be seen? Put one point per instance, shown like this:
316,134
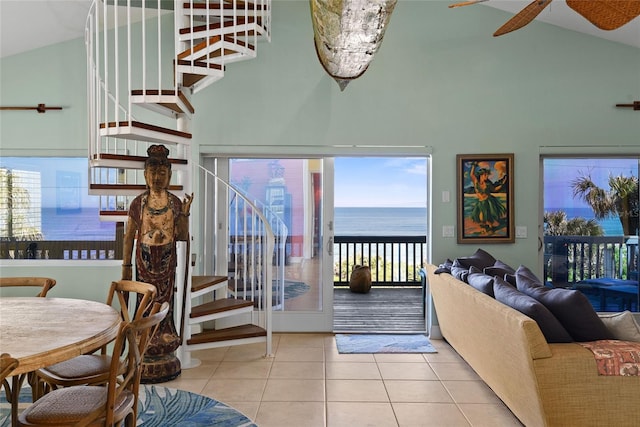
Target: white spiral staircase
145,59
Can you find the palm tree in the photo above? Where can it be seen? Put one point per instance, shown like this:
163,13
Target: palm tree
621,200
557,224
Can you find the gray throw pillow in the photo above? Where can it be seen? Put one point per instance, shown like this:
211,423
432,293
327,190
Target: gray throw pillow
571,307
499,269
480,281
551,328
480,259
622,325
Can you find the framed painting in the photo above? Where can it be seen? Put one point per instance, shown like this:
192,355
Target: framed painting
485,198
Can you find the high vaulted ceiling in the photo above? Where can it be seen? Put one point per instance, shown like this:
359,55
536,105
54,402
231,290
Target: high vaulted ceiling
30,24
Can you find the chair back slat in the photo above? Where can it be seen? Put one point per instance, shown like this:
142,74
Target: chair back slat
44,283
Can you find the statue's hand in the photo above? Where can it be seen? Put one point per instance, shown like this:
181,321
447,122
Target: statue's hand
186,204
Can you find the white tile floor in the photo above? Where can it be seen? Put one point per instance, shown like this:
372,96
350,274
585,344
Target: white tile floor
308,383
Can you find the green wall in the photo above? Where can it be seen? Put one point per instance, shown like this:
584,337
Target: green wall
440,80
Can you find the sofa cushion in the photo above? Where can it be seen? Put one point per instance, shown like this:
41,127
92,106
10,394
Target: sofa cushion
551,328
571,307
480,281
499,269
622,325
480,259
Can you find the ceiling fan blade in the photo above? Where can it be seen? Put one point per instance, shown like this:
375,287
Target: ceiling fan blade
466,3
523,17
606,14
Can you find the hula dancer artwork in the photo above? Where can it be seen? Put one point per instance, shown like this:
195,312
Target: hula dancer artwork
485,202
157,219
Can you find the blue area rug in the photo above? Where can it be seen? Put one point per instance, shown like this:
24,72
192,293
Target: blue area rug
383,343
294,289
162,407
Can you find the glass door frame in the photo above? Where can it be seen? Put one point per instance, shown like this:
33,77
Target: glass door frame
320,321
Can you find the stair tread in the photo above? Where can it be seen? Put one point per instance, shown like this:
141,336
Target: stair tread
146,126
202,282
238,5
239,20
125,157
236,332
219,306
141,187
166,92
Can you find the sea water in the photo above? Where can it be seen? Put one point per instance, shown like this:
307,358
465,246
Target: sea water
380,221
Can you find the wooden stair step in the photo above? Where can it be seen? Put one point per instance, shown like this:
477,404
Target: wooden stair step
135,187
201,64
139,131
132,162
239,20
199,283
227,334
228,5
215,49
166,95
218,306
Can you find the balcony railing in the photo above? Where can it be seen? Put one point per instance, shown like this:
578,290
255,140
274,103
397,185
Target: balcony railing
394,260
570,259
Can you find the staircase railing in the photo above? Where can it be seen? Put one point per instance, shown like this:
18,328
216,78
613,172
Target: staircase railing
238,241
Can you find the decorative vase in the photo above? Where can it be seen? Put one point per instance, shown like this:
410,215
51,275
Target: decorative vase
360,281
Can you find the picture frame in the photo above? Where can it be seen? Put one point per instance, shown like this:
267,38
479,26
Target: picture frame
485,198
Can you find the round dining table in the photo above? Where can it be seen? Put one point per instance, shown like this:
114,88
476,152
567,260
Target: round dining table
42,331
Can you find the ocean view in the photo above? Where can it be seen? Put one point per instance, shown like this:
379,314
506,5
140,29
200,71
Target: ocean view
348,222
380,221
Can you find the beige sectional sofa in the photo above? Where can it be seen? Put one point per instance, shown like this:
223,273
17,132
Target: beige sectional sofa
543,384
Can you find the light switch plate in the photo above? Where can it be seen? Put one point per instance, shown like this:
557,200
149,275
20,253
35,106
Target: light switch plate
521,232
447,231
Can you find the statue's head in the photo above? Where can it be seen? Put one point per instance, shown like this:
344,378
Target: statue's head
158,156
157,168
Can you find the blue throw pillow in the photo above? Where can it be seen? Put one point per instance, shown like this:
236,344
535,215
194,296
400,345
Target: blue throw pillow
480,281
571,307
480,259
551,328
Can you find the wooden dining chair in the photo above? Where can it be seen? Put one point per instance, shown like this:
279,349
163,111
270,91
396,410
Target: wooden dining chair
113,404
7,365
94,368
44,283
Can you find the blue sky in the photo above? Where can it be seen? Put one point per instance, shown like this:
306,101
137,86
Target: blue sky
380,182
558,174
401,182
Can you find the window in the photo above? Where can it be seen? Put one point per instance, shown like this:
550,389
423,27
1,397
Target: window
591,229
46,211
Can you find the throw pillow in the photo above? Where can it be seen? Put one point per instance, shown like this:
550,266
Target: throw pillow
499,269
571,307
623,325
445,267
527,274
551,328
479,259
510,279
460,273
480,281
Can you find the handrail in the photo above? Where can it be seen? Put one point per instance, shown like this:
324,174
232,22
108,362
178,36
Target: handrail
250,241
569,259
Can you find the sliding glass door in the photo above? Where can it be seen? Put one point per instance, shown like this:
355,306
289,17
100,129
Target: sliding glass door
591,228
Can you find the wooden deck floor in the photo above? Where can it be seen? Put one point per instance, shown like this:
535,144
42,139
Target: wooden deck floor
382,310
